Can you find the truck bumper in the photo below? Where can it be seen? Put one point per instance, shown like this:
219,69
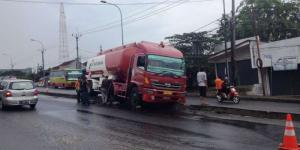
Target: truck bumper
163,96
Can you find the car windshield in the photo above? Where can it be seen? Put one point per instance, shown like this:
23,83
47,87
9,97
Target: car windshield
165,65
74,75
22,85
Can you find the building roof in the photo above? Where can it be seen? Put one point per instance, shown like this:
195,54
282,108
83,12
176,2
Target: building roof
63,64
241,46
221,47
292,42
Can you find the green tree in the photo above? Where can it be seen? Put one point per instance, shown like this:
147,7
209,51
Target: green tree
196,48
275,19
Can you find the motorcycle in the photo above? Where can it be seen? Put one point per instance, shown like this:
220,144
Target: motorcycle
232,95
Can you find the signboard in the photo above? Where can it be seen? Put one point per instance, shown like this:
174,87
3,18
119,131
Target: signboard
278,57
286,63
96,65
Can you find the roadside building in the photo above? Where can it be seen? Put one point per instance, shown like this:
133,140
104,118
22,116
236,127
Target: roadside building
25,71
67,65
281,74
281,65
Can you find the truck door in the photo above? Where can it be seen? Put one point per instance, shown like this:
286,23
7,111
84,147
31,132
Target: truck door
138,70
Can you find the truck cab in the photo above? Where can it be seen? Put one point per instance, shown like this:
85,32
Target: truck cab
160,79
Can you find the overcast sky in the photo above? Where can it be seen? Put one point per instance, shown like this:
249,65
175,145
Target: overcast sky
19,22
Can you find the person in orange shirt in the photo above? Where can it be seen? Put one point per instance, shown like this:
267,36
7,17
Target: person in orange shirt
219,84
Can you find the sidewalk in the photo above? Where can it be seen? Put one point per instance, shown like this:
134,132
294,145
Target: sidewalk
263,109
284,99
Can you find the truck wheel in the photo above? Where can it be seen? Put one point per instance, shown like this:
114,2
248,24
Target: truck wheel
135,100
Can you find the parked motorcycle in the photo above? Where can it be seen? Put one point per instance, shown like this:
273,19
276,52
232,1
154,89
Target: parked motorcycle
232,95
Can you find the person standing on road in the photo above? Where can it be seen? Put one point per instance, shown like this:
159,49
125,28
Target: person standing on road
77,88
84,91
202,83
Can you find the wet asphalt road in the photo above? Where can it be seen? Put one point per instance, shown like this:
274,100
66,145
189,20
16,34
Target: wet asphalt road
57,123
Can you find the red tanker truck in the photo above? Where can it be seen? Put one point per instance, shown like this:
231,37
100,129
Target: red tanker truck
139,73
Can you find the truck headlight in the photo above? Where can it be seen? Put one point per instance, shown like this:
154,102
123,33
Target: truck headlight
146,80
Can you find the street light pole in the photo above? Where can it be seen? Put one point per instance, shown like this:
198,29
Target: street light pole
42,51
121,15
11,61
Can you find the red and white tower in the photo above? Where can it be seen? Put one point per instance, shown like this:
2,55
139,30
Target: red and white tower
63,39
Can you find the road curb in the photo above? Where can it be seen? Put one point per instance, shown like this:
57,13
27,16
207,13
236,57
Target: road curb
244,112
216,109
265,99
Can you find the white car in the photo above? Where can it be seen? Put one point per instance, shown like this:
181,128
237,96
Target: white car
17,93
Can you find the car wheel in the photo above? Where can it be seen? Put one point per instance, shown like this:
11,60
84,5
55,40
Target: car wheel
32,106
135,100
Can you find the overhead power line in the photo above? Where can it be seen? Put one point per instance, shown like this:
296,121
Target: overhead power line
150,14
126,17
77,3
206,25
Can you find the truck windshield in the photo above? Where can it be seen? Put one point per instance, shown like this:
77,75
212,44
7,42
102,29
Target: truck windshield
165,65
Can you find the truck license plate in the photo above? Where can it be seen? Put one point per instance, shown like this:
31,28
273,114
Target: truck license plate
168,92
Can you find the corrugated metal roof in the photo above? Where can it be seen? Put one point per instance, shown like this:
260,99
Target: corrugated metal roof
282,43
221,47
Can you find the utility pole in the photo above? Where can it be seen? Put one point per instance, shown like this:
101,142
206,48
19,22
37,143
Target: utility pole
77,36
225,39
101,50
43,62
233,63
259,62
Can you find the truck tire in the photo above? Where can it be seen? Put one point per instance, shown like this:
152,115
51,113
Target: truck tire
135,99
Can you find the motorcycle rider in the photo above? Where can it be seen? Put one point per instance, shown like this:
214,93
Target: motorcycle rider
225,87
219,85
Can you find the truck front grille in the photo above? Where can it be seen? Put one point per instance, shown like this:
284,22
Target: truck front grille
171,86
